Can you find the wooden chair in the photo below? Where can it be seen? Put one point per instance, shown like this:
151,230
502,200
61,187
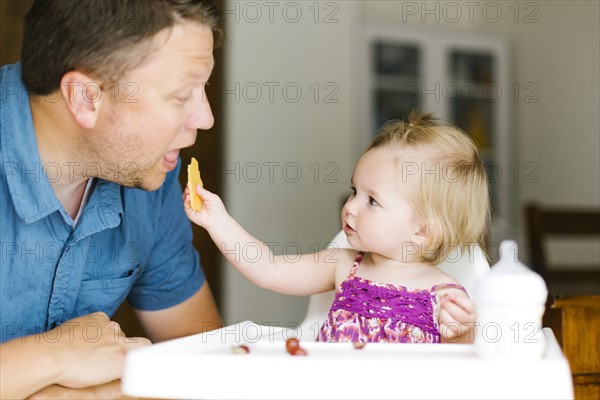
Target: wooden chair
545,223
573,307
575,320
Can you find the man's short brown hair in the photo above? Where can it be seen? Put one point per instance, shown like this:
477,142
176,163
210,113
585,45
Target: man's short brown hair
100,37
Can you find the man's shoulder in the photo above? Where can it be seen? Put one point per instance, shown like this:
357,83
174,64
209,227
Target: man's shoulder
14,98
10,73
4,70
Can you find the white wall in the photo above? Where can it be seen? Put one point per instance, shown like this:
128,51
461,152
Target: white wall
560,134
312,134
555,49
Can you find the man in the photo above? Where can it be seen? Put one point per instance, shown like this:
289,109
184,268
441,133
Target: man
106,95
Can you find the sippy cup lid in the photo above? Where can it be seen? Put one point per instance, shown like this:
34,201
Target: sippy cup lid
509,282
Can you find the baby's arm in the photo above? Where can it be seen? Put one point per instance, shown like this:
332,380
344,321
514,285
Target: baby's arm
457,317
311,273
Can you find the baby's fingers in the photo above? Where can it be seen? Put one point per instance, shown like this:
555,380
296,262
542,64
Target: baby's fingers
455,309
186,201
205,194
451,327
465,303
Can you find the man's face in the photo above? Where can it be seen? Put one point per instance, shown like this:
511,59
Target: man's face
159,107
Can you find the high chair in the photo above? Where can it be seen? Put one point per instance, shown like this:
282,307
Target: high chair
171,369
466,268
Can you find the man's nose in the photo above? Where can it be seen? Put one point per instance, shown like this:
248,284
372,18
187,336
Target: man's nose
201,116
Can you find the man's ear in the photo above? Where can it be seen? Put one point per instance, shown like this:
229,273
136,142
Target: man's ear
83,97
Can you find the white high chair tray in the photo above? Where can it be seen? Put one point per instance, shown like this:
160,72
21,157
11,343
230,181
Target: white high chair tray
204,367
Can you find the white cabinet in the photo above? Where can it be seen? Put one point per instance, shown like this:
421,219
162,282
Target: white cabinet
461,77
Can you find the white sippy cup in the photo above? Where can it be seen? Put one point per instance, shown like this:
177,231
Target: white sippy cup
510,302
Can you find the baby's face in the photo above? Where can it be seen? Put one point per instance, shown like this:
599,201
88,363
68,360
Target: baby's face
379,216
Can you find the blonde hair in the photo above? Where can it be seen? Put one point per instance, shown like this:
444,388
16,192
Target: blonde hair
452,195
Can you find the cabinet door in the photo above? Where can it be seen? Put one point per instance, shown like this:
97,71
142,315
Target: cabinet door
397,76
471,96
477,100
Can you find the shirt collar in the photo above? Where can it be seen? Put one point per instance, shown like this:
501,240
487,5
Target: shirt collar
103,211
29,182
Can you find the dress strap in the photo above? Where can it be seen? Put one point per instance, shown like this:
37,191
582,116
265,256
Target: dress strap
357,261
447,285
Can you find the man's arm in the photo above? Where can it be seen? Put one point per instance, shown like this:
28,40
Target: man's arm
66,355
110,390
25,367
195,315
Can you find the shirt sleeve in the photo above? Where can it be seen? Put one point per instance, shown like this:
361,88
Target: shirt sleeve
172,272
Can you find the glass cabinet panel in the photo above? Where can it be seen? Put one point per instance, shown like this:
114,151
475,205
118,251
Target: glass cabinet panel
471,106
397,76
471,103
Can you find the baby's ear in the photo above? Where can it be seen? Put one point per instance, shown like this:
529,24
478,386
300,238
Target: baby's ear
420,237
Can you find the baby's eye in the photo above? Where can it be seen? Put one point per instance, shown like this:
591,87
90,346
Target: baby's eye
373,202
353,189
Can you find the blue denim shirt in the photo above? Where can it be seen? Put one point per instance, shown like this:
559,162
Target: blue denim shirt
128,243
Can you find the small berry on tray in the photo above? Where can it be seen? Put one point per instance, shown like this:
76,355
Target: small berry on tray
292,344
240,349
358,345
299,352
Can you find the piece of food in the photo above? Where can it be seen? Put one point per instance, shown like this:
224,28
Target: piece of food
193,180
358,345
292,344
299,352
241,349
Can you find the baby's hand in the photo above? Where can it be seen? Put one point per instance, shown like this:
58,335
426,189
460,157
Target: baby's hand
457,318
213,211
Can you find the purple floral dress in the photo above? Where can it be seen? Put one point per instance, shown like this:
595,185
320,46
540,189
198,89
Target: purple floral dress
367,311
